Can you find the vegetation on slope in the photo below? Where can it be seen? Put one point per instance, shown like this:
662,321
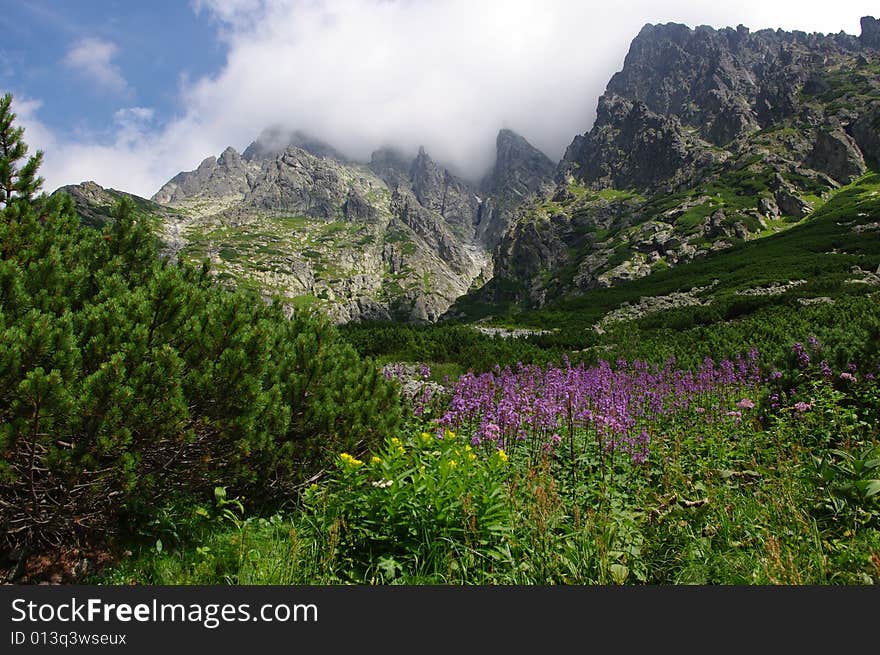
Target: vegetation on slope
181,420
126,380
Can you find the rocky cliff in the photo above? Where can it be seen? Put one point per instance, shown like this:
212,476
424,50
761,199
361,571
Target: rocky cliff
396,238
706,138
520,172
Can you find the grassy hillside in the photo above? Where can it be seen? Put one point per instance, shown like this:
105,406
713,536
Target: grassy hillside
842,234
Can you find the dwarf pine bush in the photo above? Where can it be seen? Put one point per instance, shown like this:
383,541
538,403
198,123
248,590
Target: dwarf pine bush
125,378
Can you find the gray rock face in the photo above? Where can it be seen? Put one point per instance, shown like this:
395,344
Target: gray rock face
727,82
836,154
632,147
865,131
440,191
299,183
434,233
520,170
357,210
529,249
768,207
870,36
792,205
224,178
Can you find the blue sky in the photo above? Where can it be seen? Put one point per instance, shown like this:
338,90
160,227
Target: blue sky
154,45
128,93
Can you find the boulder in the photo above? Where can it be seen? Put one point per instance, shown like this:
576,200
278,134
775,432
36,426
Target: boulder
836,154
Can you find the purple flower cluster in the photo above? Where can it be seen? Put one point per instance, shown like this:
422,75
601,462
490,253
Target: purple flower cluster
403,372
803,358
622,408
397,371
794,389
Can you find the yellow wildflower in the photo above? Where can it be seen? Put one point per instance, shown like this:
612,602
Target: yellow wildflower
502,455
375,459
452,463
348,460
450,434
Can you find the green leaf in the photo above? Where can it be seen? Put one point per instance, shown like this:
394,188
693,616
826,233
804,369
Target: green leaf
872,488
388,567
158,545
619,573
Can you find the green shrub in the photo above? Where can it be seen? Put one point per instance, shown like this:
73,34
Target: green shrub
126,379
418,508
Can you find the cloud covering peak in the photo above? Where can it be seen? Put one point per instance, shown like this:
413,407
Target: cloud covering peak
362,74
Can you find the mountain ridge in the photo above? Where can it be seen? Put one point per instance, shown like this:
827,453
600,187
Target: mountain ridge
705,139
389,239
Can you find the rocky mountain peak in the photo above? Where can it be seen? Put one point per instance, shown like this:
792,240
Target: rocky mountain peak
229,158
207,164
390,165
729,82
439,190
516,157
275,140
520,168
427,178
423,165
870,36
216,178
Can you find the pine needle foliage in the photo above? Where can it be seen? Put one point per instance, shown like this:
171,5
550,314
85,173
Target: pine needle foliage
126,378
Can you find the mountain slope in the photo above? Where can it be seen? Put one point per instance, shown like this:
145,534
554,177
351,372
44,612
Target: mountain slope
94,204
833,255
320,231
394,239
704,140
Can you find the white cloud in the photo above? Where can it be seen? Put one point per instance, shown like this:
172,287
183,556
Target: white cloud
93,59
123,163
133,124
446,74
